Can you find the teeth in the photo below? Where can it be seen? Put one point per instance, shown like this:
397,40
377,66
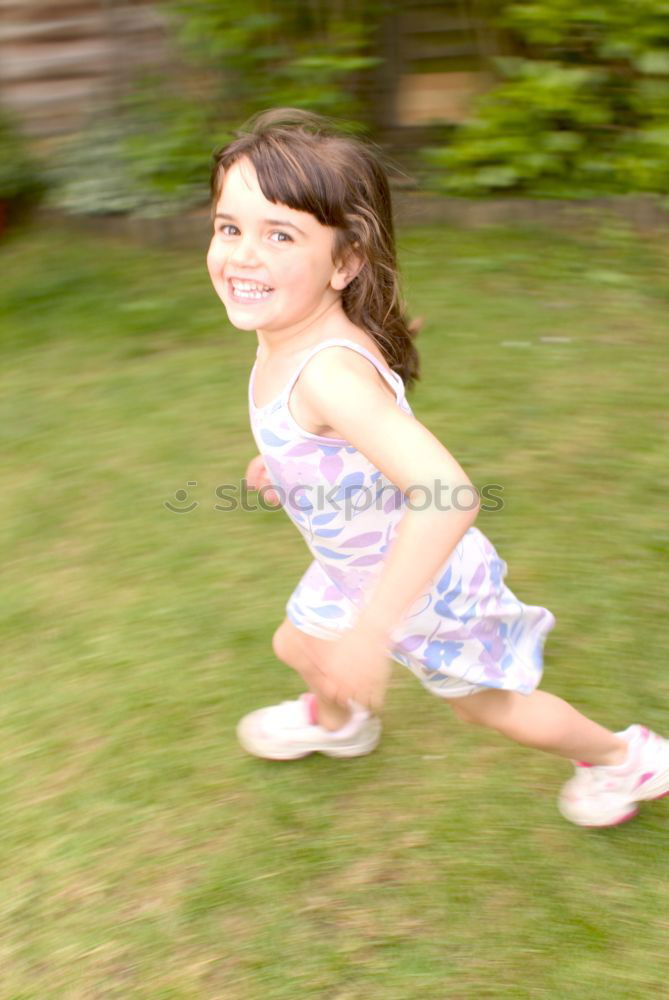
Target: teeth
250,289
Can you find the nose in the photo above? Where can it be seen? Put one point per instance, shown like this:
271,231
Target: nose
245,251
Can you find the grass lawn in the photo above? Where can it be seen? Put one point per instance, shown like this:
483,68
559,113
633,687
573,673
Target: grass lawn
143,855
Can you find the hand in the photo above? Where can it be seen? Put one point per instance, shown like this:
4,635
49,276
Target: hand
256,476
355,666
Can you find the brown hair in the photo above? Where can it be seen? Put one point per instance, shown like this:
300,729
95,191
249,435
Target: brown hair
304,162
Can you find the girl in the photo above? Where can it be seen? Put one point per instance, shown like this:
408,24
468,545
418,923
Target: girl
303,253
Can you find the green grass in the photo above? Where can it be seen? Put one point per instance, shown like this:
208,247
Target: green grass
143,855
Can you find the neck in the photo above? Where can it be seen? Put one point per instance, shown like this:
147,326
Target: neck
293,339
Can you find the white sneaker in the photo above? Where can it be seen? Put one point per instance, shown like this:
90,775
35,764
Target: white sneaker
605,795
289,731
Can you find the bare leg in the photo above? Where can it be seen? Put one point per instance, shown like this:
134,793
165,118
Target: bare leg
295,649
545,722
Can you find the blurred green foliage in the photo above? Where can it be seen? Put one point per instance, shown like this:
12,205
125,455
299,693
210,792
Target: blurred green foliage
150,159
293,53
21,181
233,60
583,112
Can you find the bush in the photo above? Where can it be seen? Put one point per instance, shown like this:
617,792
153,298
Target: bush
586,113
233,59
137,162
21,181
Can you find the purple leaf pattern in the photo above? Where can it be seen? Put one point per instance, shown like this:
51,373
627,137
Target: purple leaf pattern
303,448
331,467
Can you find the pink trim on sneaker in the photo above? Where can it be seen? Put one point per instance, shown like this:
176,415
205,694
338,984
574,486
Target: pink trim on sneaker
309,699
618,822
287,732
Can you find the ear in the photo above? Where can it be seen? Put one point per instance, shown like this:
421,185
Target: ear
346,269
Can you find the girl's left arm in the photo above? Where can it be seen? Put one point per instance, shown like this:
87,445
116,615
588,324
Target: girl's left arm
348,397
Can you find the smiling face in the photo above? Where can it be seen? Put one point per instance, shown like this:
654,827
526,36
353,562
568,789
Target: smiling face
271,266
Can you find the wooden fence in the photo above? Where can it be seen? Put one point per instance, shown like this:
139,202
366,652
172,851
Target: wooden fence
64,61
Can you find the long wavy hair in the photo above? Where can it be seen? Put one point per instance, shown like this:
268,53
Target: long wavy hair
304,162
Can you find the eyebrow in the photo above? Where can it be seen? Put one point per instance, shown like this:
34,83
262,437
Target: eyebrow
268,222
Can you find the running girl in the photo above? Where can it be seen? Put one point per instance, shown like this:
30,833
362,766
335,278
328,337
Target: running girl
303,253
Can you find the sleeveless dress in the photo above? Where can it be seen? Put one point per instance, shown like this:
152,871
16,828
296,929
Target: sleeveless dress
466,632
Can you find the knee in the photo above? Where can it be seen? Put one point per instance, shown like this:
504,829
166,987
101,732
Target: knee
283,643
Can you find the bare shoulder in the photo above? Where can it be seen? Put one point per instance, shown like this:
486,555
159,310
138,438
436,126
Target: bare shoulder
334,368
335,378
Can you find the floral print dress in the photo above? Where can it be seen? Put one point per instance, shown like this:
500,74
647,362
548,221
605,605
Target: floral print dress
467,631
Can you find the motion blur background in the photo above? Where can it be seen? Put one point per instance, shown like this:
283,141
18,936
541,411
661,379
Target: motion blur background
554,98
142,855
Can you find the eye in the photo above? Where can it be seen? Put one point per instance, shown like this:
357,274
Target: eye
227,229
281,237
